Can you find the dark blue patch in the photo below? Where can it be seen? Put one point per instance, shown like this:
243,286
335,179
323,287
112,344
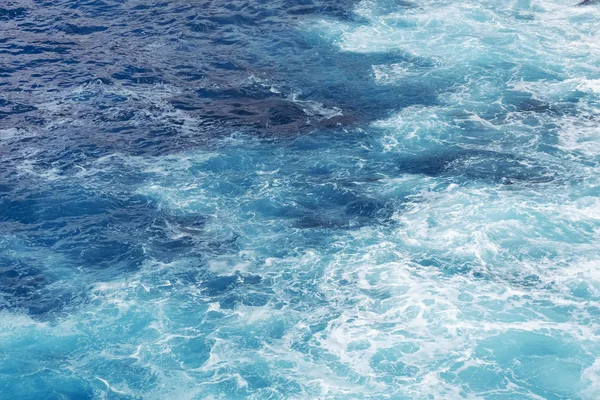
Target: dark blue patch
221,284
476,164
12,13
82,30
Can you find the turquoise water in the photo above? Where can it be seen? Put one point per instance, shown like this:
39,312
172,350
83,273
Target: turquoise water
300,200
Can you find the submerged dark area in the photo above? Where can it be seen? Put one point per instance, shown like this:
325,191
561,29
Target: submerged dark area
210,61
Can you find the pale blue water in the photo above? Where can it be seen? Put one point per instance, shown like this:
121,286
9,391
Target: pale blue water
299,199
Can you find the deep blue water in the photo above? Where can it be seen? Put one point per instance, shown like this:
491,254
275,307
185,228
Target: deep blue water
299,199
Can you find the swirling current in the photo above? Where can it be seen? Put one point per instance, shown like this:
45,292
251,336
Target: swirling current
299,199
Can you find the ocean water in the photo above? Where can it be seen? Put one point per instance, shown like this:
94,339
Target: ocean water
299,199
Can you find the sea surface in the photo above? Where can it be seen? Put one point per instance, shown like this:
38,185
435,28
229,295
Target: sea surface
299,199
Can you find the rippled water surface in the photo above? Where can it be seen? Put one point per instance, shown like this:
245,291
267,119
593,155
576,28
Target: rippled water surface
299,199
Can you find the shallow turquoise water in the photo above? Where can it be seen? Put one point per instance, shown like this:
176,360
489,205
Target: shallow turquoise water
382,200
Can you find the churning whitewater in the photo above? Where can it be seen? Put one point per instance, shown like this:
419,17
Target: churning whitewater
299,199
